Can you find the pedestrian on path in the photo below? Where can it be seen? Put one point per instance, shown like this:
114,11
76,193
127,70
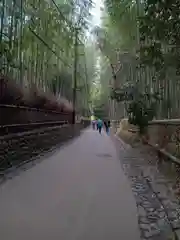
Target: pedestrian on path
93,124
107,126
99,125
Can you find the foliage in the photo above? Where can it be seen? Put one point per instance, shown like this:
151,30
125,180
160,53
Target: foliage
140,114
37,43
99,112
125,93
12,93
117,40
100,88
141,107
159,28
160,38
100,106
148,31
123,15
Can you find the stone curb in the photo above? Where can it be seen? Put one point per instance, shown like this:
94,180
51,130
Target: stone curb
25,158
153,207
123,144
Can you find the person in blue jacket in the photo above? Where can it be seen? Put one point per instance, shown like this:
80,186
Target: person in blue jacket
99,125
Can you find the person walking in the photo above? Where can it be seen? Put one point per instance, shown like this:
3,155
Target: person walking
93,124
107,126
99,125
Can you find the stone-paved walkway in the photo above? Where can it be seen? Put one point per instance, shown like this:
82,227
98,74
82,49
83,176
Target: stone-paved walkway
78,193
158,207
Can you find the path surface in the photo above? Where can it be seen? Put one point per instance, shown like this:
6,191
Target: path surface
79,193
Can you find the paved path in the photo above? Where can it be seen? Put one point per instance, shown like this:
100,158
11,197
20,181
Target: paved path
80,193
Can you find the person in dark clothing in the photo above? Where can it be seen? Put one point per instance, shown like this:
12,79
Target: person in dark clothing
93,124
109,123
97,125
107,126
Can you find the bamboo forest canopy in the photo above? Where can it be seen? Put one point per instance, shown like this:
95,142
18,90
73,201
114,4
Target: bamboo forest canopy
37,44
140,40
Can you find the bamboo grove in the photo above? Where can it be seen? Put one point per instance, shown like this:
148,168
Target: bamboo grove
140,39
37,45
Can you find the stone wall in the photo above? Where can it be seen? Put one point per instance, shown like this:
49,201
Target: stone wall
25,147
165,134
23,115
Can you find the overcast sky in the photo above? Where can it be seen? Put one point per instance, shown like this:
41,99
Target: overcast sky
96,12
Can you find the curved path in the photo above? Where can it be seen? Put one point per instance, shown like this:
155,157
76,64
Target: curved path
79,193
